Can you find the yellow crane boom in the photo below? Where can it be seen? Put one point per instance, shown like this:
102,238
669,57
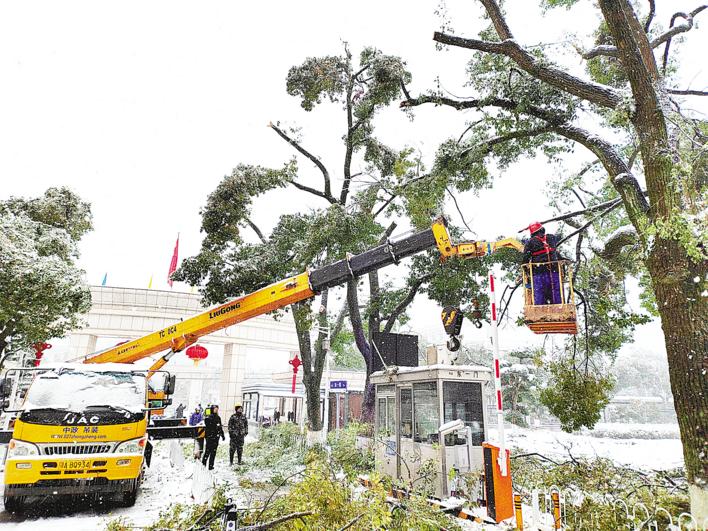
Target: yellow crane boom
179,336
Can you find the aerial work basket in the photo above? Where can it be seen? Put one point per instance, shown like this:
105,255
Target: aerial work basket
559,316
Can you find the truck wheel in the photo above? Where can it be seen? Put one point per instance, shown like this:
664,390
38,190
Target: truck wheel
14,504
131,495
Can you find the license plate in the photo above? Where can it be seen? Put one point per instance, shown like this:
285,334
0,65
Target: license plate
75,464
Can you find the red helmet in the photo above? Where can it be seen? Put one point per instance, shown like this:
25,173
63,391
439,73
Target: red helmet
535,226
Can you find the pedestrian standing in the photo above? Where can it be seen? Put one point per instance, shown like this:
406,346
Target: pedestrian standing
238,429
195,419
179,411
214,430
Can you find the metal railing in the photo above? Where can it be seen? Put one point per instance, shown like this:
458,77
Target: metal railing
564,273
558,508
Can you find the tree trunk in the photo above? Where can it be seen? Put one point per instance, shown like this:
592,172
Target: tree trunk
677,280
362,343
678,286
310,377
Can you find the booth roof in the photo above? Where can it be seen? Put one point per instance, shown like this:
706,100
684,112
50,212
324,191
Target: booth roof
438,366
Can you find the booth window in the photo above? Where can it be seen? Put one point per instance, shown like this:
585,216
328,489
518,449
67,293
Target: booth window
406,413
463,400
386,409
425,412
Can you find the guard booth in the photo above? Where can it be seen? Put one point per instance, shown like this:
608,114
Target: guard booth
414,405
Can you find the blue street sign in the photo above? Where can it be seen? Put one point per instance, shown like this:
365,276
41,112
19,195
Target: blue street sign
338,384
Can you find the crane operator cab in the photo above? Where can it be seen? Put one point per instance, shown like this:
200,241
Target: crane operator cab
549,299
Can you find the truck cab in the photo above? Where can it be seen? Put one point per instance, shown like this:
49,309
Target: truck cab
79,430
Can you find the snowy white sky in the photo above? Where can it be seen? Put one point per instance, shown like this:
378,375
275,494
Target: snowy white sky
142,107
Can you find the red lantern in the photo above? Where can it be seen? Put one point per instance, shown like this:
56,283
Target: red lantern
295,362
39,349
197,353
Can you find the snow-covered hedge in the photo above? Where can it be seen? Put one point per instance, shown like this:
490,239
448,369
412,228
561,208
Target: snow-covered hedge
635,431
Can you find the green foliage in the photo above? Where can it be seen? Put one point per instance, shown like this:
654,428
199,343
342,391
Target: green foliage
559,3
334,504
345,454
181,516
279,449
345,354
316,78
605,69
229,205
42,292
600,479
522,380
576,398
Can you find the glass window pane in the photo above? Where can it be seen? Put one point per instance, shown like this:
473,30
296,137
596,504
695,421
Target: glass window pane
391,414
425,412
463,400
406,413
382,415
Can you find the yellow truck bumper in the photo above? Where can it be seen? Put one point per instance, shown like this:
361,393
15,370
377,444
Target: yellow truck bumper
91,473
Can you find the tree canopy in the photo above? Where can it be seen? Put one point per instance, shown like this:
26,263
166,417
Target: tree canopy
42,292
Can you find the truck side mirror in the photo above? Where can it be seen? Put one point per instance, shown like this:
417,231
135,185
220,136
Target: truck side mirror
170,384
5,387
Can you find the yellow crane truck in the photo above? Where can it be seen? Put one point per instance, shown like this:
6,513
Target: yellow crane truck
79,430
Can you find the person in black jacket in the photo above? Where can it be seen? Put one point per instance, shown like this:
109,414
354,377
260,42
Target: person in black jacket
541,252
238,429
214,430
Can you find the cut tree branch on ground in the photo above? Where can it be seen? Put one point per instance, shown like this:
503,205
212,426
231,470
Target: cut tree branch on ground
276,521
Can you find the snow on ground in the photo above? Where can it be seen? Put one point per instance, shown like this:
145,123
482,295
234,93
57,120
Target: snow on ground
165,484
646,454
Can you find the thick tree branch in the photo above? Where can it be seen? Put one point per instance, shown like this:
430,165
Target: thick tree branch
618,241
405,302
355,320
255,229
339,322
556,77
374,288
272,523
688,92
593,220
624,182
349,143
611,51
313,191
327,192
650,16
502,103
486,147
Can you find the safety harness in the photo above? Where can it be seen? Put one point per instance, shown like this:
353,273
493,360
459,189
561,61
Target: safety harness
546,248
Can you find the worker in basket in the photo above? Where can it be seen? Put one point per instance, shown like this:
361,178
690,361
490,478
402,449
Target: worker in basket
541,253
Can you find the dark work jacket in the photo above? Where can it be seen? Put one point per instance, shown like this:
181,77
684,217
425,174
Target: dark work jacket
238,426
535,251
214,429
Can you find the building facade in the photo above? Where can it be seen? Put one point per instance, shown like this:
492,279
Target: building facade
248,352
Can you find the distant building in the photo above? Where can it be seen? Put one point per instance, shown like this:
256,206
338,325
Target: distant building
250,351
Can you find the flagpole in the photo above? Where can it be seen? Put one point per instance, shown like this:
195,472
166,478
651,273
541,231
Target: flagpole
173,262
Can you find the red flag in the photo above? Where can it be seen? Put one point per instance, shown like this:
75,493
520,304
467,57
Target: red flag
173,262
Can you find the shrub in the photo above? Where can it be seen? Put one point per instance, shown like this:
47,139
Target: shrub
345,454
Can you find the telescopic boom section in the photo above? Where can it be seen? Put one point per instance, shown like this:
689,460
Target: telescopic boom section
301,287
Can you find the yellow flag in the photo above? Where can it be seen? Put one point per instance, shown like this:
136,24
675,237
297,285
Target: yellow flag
150,283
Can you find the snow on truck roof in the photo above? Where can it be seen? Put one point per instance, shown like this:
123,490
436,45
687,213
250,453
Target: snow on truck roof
94,367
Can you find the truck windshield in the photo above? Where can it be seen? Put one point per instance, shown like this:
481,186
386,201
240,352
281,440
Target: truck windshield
76,390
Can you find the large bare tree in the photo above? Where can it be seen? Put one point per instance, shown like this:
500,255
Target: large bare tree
658,168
